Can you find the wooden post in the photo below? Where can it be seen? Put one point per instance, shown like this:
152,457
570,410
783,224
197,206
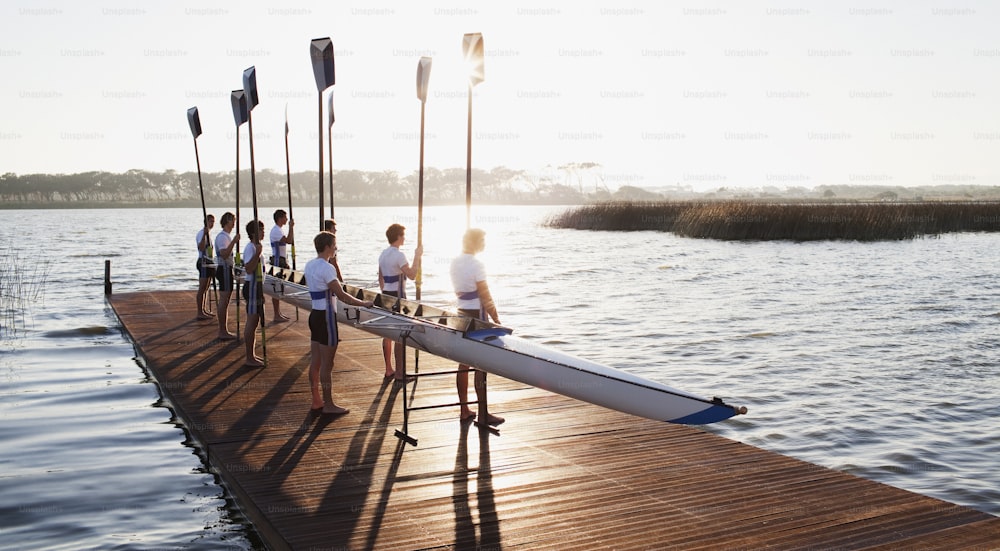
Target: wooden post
107,277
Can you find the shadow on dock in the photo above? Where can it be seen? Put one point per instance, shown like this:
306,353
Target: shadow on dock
562,475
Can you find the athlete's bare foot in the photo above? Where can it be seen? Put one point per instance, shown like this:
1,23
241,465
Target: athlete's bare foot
389,373
279,318
466,414
493,420
256,362
334,409
226,336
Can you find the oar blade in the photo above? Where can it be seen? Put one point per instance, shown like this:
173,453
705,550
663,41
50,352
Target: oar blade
194,121
472,47
250,87
329,111
423,77
321,53
239,100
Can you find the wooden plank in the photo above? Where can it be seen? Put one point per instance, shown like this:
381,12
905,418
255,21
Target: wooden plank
561,474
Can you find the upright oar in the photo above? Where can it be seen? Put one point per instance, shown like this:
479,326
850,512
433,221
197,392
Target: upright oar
423,79
329,144
250,89
288,181
472,47
194,121
240,115
321,54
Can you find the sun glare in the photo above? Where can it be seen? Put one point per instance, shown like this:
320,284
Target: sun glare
472,47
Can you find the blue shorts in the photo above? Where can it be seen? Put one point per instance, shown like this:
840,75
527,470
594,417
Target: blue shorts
323,328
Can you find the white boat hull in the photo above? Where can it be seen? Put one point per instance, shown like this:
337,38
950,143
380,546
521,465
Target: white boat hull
492,348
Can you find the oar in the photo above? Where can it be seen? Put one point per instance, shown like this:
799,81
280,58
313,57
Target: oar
194,121
240,115
329,144
472,47
250,89
288,180
321,54
423,78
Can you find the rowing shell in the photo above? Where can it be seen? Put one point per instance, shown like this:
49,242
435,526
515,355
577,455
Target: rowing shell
494,349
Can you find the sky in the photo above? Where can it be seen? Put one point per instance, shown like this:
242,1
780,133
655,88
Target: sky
742,94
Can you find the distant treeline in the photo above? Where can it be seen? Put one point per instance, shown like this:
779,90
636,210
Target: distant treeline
568,184
351,187
782,220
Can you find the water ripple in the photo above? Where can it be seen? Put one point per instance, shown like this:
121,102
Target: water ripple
877,359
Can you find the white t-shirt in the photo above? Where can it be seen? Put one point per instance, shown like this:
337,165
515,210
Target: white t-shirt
466,271
278,249
319,273
390,263
221,242
248,253
207,253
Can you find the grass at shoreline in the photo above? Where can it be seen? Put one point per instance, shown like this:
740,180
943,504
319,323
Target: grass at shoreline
764,221
21,284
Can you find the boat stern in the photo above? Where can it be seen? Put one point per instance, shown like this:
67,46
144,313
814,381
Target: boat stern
717,411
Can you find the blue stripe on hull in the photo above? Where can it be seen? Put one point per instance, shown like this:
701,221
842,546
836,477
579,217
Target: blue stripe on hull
706,416
485,334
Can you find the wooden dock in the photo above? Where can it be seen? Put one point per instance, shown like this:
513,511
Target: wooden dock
561,474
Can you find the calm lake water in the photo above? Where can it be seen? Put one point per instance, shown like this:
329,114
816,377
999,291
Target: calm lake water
882,360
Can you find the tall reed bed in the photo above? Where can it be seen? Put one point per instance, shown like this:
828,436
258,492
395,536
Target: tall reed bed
762,220
21,284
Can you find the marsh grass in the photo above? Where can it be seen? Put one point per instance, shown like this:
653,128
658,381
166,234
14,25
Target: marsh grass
762,221
21,285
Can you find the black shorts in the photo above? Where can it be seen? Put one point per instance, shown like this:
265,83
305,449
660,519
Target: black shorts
224,275
323,328
280,262
394,304
205,269
256,290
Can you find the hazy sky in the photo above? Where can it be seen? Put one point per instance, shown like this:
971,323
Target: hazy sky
736,94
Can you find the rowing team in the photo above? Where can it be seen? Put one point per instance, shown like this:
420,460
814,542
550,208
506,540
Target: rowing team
324,278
